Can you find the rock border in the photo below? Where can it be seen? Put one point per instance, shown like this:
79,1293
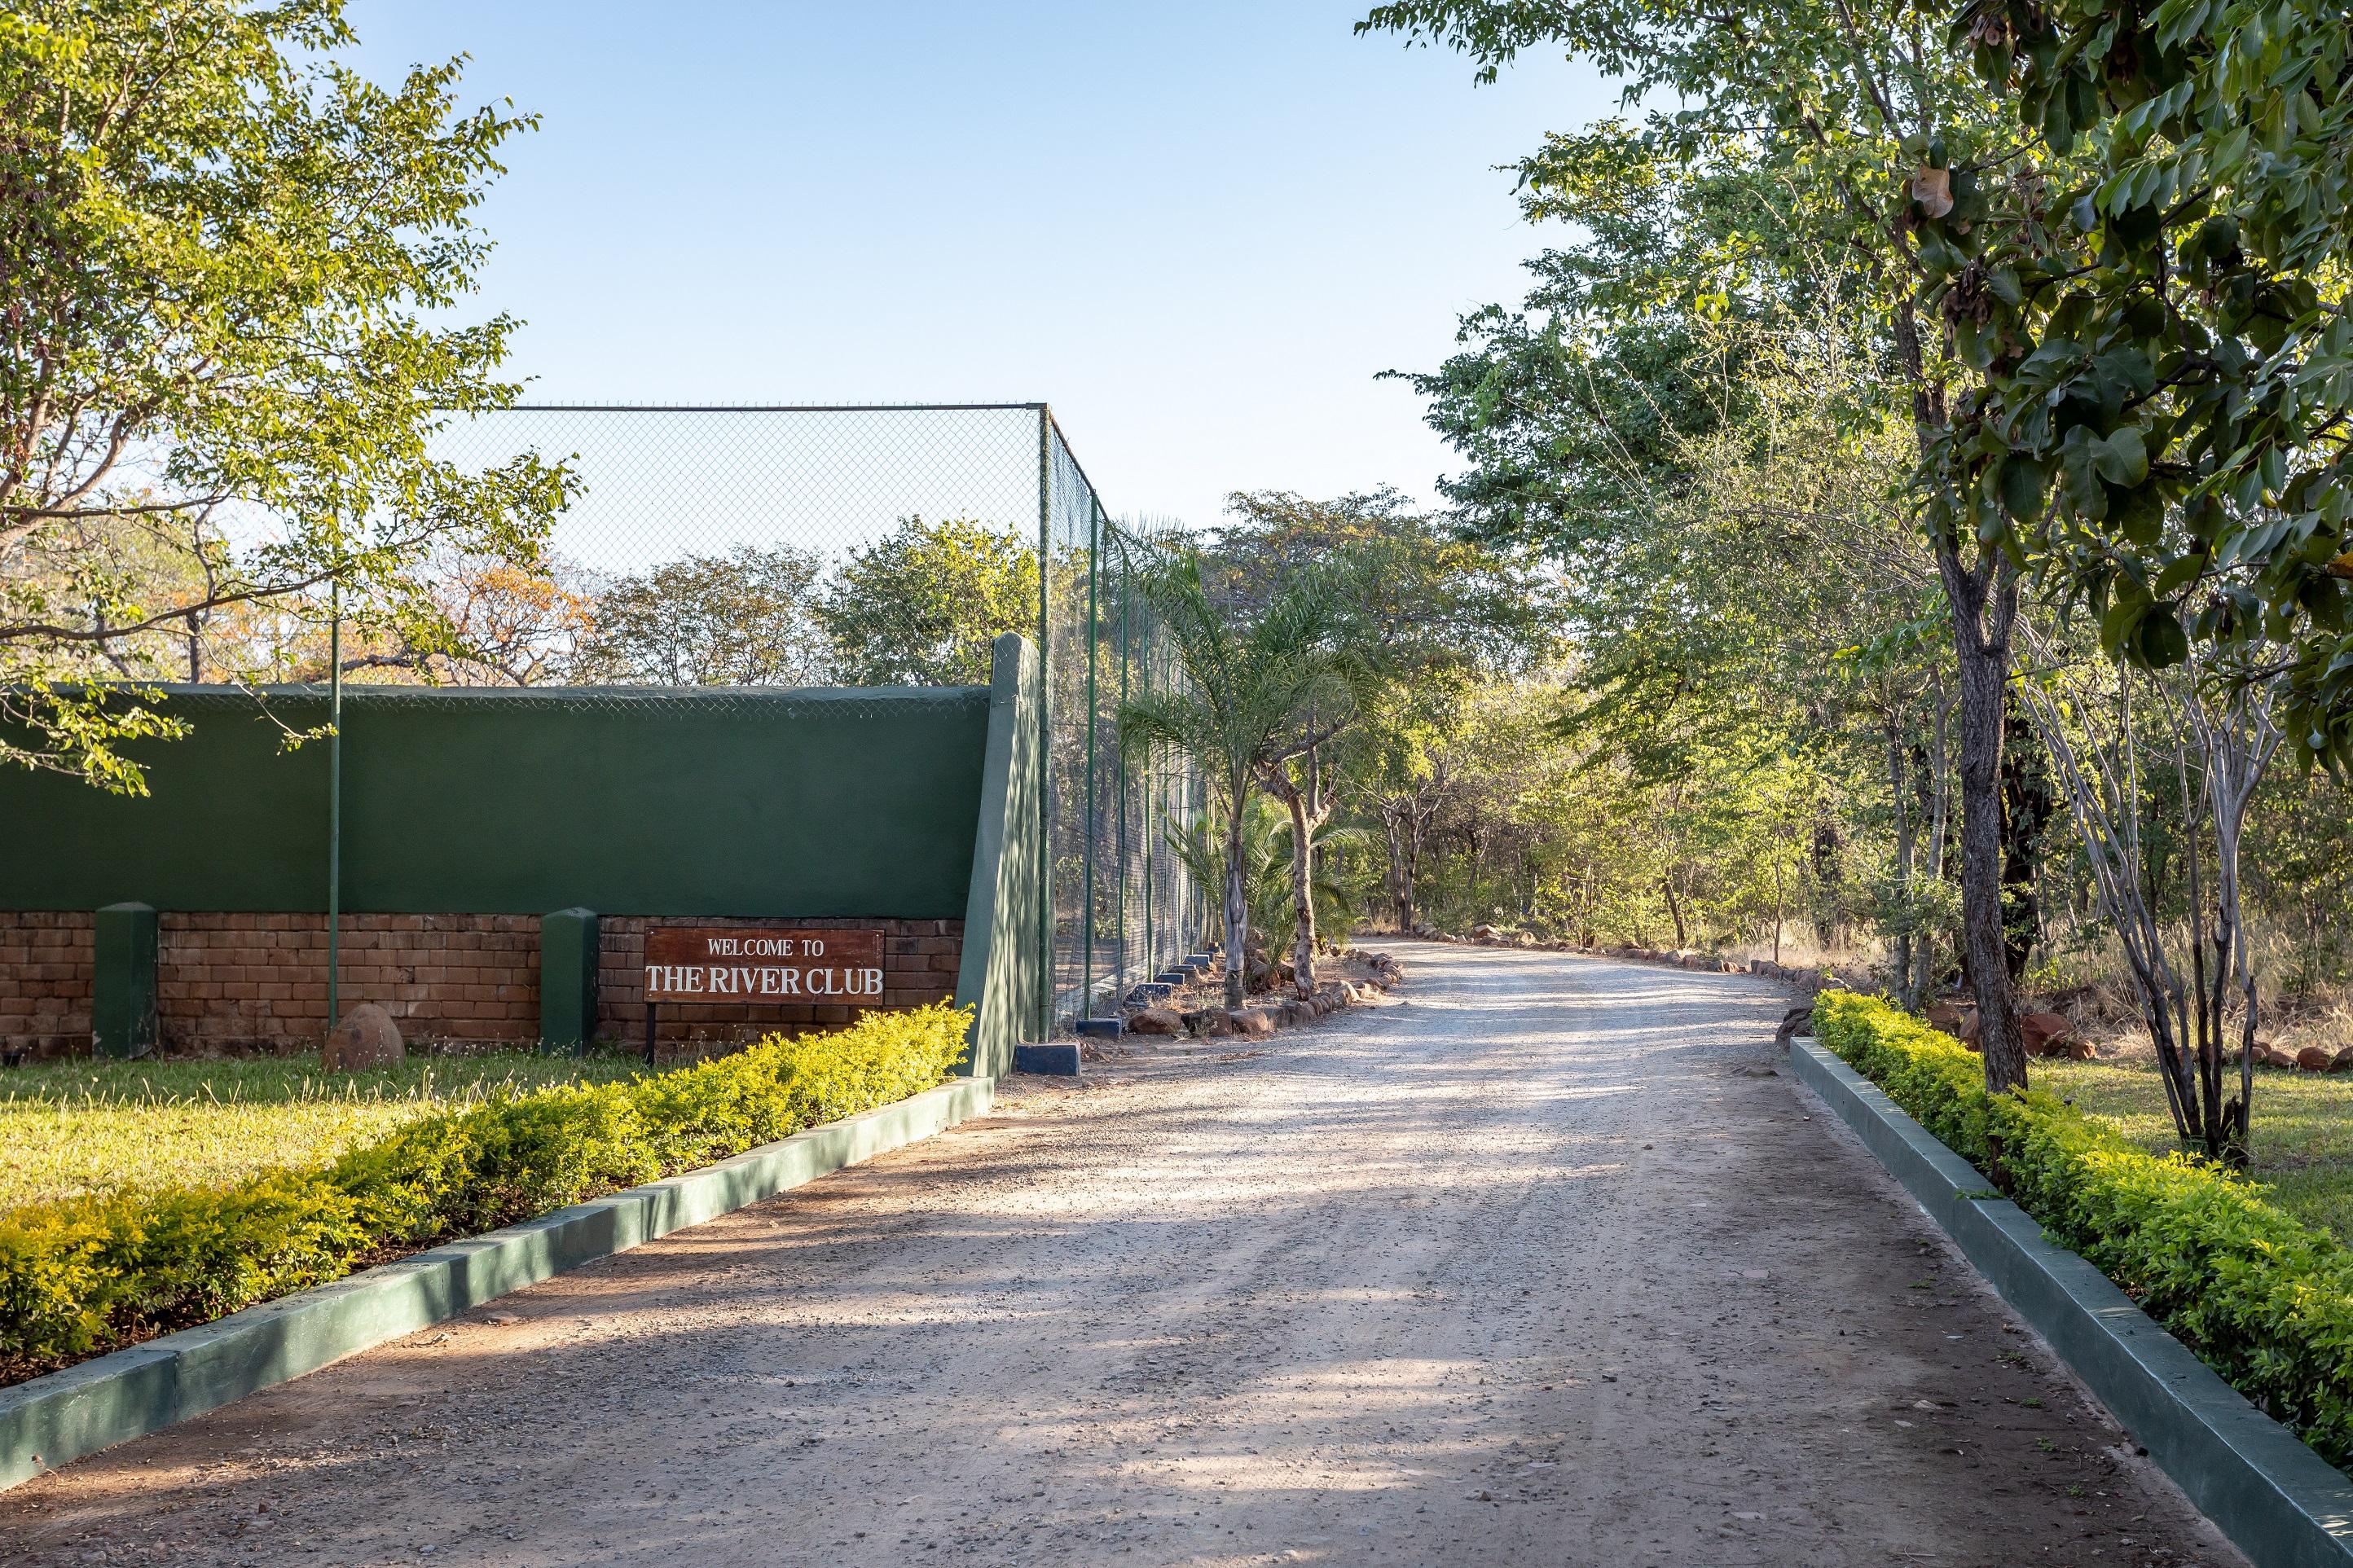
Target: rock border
1269,1012
2279,1503
54,1420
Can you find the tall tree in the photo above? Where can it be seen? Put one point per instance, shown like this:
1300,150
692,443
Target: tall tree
1260,688
1415,602
2158,309
922,605
226,347
740,619
1846,107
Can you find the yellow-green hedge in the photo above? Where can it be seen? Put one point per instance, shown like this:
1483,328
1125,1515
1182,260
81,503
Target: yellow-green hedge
2264,1300
86,1274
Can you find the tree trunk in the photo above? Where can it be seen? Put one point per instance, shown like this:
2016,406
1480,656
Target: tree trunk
1906,981
1303,894
1675,908
1985,605
1400,880
2026,809
1828,852
1236,912
1309,808
1933,794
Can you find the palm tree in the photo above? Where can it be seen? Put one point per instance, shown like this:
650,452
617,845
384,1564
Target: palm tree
1270,860
1243,708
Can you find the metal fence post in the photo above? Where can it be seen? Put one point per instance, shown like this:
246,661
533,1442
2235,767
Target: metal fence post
1119,766
1045,723
1095,731
334,800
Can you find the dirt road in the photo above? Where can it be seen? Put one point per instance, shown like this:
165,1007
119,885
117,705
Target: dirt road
1537,1266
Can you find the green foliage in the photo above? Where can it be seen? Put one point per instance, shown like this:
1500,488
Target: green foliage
921,605
2264,1301
1262,684
2158,310
232,264
740,619
1417,597
92,1125
85,1274
1266,868
2302,1146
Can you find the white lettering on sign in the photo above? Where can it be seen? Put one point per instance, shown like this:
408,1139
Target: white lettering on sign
756,964
760,980
765,946
677,981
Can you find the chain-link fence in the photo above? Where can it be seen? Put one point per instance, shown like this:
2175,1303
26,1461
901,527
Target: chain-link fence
711,548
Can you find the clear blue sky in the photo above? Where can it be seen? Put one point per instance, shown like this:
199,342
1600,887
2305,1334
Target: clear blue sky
1199,230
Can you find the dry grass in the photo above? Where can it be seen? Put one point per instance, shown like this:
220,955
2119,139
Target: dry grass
87,1126
1799,950
2303,1127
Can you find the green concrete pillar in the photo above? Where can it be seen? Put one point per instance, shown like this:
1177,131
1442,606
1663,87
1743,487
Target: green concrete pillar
567,980
123,981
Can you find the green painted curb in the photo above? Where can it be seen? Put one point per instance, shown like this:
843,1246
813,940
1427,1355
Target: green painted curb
53,1420
2279,1503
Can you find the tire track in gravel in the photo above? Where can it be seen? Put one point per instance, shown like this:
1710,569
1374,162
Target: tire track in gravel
1536,1264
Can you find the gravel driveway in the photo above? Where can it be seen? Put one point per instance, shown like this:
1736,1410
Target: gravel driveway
1541,1263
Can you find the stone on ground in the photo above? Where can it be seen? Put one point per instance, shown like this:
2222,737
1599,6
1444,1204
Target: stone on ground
368,1037
2044,1034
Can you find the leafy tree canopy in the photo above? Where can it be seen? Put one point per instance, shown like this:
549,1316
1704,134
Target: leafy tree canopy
740,619
921,605
226,346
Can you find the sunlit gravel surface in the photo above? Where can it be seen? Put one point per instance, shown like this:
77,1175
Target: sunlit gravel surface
1544,1263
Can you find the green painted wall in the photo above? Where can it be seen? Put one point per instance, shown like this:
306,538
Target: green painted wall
1001,974
803,802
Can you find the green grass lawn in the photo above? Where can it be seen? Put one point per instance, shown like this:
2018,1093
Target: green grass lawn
85,1126
2303,1127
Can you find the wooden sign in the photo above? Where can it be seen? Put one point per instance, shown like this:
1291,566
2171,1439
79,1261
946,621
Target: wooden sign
762,963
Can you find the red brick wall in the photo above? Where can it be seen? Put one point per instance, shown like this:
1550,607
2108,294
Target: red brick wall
45,976
919,965
261,980
251,982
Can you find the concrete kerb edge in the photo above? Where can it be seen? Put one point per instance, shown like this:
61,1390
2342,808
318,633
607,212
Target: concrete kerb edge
2279,1503
53,1420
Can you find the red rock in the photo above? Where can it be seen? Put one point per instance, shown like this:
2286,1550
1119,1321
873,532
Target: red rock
1251,1021
2045,1034
368,1037
1156,1021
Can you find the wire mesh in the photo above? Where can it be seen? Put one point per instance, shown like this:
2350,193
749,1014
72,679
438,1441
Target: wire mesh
710,549
1124,908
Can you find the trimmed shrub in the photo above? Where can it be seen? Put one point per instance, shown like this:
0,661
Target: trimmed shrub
88,1274
2264,1300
